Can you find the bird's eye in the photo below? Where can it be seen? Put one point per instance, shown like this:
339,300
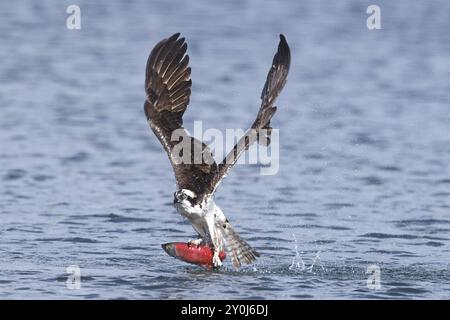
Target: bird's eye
180,196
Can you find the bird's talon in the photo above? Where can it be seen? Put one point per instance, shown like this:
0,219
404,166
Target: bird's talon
195,242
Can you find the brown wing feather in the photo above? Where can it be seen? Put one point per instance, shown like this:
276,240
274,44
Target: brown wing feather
168,89
276,79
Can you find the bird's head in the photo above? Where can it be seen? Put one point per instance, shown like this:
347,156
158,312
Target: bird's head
184,196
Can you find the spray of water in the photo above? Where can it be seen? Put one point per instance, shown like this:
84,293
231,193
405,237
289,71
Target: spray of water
298,264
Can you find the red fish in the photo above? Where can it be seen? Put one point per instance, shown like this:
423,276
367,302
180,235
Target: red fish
201,255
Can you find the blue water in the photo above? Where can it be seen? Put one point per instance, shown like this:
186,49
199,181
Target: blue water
364,174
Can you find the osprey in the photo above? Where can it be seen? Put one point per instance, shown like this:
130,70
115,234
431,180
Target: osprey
168,90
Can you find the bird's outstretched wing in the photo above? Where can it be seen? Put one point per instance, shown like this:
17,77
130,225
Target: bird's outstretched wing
276,79
168,89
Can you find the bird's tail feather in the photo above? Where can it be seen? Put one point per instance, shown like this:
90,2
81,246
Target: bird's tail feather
239,250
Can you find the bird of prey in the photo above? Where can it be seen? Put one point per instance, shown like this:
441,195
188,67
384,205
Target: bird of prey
168,90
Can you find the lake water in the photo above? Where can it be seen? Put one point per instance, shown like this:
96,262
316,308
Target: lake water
364,177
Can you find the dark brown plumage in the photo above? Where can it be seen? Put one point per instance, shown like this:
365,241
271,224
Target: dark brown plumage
168,89
276,79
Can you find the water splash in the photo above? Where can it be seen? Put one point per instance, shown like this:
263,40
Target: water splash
298,264
316,261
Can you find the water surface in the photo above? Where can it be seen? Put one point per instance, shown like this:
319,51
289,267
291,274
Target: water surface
364,173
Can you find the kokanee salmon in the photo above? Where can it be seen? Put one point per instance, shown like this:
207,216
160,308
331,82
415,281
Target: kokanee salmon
201,255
